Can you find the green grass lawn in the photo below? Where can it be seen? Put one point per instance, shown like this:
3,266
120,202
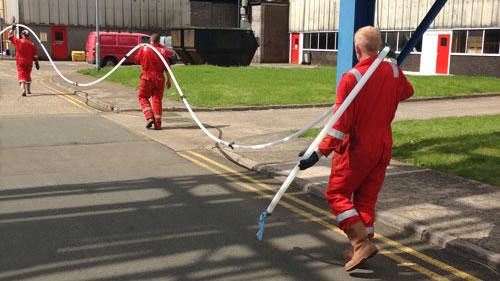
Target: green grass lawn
467,146
212,86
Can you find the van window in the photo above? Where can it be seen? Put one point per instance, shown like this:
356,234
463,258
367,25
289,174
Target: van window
145,39
127,40
107,39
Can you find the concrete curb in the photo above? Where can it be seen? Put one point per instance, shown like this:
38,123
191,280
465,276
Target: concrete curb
423,232
84,96
103,106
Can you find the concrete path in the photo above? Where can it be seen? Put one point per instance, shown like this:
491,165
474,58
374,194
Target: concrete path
449,211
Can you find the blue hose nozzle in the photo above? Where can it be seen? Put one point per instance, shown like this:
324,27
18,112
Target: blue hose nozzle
263,216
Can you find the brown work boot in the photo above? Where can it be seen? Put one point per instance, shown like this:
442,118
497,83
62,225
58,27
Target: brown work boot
347,256
361,243
149,123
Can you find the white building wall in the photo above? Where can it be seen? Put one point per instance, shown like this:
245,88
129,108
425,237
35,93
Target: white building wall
148,14
322,15
12,9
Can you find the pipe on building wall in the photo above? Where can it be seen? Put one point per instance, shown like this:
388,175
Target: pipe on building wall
244,21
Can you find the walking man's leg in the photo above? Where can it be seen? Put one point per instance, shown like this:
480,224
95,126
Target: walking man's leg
156,100
144,94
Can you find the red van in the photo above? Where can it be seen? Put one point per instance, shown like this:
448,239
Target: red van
115,45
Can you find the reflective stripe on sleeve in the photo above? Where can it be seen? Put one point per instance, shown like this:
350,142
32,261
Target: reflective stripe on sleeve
347,214
356,73
11,35
146,109
336,134
35,56
157,116
395,69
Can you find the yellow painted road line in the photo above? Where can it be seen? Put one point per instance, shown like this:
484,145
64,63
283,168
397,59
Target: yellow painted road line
379,237
68,98
311,217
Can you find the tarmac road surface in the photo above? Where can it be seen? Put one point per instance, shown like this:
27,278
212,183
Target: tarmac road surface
86,195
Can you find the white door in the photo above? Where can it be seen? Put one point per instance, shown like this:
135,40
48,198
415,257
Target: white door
429,53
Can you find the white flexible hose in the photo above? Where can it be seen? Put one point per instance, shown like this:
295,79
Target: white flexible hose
195,118
217,140
64,77
354,92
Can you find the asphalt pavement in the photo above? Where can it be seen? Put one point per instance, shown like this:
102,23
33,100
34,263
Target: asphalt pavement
449,211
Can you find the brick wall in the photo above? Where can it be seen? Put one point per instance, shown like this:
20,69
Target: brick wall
323,57
475,65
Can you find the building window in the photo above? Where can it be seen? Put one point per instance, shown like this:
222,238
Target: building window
458,43
322,41
491,41
404,37
475,42
314,40
418,47
332,41
307,40
392,39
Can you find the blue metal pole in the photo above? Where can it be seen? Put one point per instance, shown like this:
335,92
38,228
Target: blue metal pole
354,14
421,29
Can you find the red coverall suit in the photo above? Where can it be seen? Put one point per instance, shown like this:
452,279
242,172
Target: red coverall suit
152,81
362,140
26,54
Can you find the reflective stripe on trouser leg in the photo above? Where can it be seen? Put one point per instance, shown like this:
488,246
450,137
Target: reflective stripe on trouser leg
365,197
342,184
370,230
157,116
347,214
144,94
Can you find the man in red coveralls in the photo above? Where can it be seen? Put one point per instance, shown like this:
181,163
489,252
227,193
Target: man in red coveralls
152,81
26,54
362,141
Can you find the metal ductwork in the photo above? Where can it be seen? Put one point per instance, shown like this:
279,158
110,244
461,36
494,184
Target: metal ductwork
244,21
217,46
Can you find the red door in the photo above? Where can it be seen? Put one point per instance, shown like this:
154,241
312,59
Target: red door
295,48
59,43
443,54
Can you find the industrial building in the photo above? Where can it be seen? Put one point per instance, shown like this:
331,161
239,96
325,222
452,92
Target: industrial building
463,39
63,25
295,31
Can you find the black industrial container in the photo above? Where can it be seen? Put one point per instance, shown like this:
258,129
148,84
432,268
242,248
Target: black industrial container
217,46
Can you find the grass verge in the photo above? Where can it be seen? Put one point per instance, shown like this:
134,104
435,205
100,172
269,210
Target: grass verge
212,86
468,147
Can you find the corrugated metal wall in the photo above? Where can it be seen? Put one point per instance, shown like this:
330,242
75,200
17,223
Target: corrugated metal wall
322,15
135,14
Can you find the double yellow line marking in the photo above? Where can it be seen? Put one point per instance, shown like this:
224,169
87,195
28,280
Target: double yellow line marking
68,98
235,176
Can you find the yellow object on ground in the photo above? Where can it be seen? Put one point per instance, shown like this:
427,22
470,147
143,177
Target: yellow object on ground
78,55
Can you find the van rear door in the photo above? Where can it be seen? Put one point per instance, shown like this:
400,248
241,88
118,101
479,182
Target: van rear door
90,48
